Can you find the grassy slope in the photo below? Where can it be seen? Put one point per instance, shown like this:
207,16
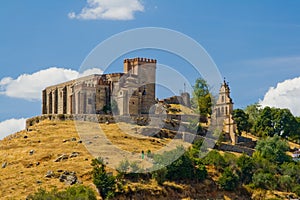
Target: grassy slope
20,176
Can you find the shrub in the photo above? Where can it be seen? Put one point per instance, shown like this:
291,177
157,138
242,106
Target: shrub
104,182
264,180
246,165
214,158
77,192
228,180
160,175
123,166
180,165
296,190
286,182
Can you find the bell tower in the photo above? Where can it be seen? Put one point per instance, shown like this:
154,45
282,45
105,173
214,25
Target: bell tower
224,109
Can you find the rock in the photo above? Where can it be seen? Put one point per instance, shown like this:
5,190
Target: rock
39,182
69,178
25,136
64,141
4,164
80,141
62,157
49,174
60,170
37,163
73,139
74,154
31,152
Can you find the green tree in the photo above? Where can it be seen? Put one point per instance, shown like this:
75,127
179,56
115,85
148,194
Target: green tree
286,182
273,149
246,165
104,182
278,121
253,112
228,179
291,169
264,180
241,120
202,99
216,159
180,165
263,126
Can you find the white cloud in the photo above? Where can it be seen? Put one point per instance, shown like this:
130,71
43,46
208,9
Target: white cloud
109,9
10,126
285,95
91,71
29,86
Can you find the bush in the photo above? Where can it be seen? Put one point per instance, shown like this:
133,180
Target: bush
296,190
246,166
77,192
123,166
286,183
160,175
264,181
273,149
180,165
228,180
104,182
214,158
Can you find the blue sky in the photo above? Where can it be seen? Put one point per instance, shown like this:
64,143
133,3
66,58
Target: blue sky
255,44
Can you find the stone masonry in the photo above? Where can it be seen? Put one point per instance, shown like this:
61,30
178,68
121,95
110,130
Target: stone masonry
129,93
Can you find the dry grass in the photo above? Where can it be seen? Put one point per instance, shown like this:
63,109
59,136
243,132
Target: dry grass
184,110
113,142
49,139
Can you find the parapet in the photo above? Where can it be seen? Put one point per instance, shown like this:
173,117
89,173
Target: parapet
145,60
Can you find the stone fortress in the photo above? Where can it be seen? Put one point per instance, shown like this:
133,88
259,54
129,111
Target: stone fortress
131,93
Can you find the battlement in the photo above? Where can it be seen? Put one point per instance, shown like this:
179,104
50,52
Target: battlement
145,60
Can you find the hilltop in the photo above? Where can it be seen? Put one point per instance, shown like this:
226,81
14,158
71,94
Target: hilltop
38,157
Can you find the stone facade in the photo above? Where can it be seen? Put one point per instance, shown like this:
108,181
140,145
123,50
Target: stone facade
183,99
129,93
223,112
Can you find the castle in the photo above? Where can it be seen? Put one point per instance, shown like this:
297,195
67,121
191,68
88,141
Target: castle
129,93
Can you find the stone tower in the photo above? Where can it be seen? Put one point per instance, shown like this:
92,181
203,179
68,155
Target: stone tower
143,96
224,109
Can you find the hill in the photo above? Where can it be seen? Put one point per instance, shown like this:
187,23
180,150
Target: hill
51,154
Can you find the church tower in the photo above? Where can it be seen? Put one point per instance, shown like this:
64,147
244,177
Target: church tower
224,109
